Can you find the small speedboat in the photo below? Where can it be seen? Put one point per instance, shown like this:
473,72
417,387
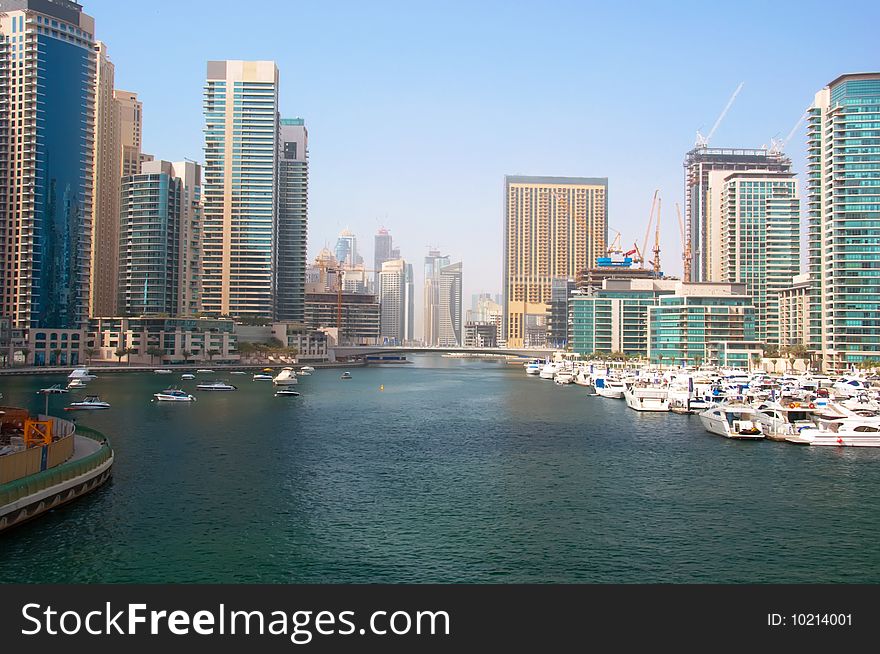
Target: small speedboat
286,391
91,403
237,372
303,373
287,377
307,369
206,371
76,383
346,375
173,395
262,377
187,375
163,371
53,390
216,386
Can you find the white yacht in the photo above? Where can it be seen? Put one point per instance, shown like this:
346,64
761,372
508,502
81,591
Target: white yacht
173,395
205,371
647,398
564,376
53,390
216,386
843,432
163,371
780,420
850,386
77,383
261,376
534,366
287,377
92,402
81,374
611,388
549,370
187,375
307,369
732,421
286,392
237,372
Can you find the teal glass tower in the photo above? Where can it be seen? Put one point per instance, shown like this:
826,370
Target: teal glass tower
47,143
843,188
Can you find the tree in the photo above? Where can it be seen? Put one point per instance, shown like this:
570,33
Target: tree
756,360
212,354
90,352
155,352
119,353
128,352
275,344
771,351
56,356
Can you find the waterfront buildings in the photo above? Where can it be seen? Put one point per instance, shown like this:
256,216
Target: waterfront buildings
705,172
105,191
159,240
347,251
310,344
557,316
293,188
47,157
449,334
554,227
843,189
130,117
434,263
383,250
392,300
760,241
409,304
794,309
480,334
355,317
240,191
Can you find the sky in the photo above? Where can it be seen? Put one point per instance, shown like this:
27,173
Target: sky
417,111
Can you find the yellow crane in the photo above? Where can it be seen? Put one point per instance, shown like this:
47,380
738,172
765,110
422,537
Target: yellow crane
685,246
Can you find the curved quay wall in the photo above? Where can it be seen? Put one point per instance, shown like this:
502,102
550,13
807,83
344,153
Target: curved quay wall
31,496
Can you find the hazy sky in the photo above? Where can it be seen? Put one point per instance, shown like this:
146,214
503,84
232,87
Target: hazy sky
416,111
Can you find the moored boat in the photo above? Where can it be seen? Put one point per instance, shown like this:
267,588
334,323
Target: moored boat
346,375
842,432
187,375
216,386
262,377
163,371
286,392
732,421
173,395
53,390
647,398
90,403
287,377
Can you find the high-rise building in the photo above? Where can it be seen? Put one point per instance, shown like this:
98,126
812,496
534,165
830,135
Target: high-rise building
240,187
434,263
130,117
450,334
553,227
293,193
392,300
105,191
705,171
382,252
47,155
843,188
189,173
410,301
760,241
347,251
794,309
355,316
557,317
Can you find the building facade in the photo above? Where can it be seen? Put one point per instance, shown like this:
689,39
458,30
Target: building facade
240,190
355,316
293,195
843,189
347,250
557,316
553,227
480,334
794,310
47,156
450,334
130,112
760,241
392,300
434,263
705,171
180,340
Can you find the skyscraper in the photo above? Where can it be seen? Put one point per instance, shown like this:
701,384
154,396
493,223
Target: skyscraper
434,263
705,171
347,251
130,117
410,303
190,277
553,227
47,138
382,252
760,241
392,300
293,192
240,187
105,191
450,334
843,188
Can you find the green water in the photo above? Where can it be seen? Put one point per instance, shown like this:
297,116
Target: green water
459,471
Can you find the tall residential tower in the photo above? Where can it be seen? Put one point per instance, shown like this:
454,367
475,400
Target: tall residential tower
293,195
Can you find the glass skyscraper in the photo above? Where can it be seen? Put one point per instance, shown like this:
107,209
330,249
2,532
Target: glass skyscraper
293,191
843,186
240,187
47,142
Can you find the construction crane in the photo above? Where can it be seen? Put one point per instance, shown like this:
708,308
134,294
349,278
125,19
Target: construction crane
776,146
703,141
685,245
656,262
654,202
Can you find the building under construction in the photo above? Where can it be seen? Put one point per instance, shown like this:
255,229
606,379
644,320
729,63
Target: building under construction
705,170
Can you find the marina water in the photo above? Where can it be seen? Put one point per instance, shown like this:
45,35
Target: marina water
458,471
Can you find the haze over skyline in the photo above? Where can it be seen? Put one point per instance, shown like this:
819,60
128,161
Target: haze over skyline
416,113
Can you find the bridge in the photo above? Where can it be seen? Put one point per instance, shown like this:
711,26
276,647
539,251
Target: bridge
345,351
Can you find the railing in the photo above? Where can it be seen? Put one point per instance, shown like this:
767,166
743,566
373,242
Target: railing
15,490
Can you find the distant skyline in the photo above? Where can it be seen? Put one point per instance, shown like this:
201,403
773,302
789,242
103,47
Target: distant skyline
416,113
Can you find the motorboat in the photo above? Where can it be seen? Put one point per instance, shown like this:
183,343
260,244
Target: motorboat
261,376
534,366
163,371
647,398
346,375
283,392
549,370
611,388
91,403
76,383
732,421
216,386
303,373
205,371
174,395
81,373
237,372
307,369
842,432
53,390
565,376
287,377
850,386
780,420
187,375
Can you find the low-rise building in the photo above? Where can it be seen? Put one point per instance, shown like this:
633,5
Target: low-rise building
310,344
359,313
481,334
179,339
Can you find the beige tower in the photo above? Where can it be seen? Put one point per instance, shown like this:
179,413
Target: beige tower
131,125
106,188
553,227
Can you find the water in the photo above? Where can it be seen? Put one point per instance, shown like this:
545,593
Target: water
459,471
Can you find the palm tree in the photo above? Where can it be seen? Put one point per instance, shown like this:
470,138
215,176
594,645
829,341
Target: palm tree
155,352
187,355
119,353
756,360
90,352
212,354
